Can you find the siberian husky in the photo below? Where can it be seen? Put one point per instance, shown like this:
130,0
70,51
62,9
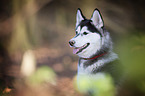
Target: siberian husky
93,45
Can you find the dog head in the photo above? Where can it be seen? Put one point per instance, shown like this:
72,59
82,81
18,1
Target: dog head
89,34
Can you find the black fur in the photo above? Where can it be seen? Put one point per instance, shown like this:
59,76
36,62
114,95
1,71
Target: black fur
90,26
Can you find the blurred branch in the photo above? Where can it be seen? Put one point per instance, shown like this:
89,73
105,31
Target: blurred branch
30,8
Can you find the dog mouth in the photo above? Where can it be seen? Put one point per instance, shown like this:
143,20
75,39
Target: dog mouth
80,49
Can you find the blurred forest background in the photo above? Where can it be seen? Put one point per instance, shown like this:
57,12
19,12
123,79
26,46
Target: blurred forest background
34,47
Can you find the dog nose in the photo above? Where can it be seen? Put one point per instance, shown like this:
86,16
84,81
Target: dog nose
72,42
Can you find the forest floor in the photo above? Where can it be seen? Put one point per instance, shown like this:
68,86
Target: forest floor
60,62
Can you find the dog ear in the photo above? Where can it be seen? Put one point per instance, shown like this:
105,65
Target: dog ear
79,17
97,19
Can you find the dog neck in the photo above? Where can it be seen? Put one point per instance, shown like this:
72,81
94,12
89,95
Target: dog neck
95,57
87,66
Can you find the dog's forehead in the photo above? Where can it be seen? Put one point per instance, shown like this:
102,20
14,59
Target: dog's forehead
83,26
87,25
83,23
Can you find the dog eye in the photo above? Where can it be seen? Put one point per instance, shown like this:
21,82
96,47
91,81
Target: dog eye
76,32
85,33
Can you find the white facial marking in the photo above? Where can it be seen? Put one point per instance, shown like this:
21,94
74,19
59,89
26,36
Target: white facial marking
78,29
84,29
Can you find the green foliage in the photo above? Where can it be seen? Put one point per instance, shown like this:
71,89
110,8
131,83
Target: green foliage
132,56
97,85
43,74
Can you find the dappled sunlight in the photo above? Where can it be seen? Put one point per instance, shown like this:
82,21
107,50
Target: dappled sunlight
28,65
